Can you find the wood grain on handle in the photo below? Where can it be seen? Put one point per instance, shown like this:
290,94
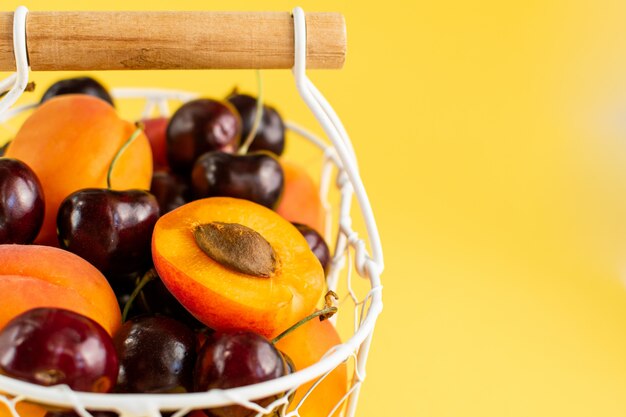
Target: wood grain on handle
172,40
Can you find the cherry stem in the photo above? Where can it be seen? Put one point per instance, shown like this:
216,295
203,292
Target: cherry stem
147,277
257,116
119,153
327,312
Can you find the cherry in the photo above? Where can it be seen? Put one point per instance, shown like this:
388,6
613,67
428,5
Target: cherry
110,229
155,131
257,177
316,243
51,346
200,126
155,298
78,85
234,359
156,354
21,202
170,190
270,135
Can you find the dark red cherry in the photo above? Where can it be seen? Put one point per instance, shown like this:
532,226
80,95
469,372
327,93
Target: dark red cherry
235,359
78,85
110,229
155,298
316,243
256,177
270,135
51,346
21,202
156,354
201,126
170,190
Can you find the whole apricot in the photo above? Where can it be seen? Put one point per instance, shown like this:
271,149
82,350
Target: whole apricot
300,201
236,265
305,346
34,276
70,142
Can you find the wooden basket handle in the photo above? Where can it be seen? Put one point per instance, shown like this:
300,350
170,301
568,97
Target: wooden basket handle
172,40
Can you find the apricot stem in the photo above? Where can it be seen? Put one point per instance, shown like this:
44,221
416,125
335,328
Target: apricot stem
147,277
119,153
327,312
257,116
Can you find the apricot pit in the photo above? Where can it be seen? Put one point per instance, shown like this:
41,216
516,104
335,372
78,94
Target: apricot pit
283,285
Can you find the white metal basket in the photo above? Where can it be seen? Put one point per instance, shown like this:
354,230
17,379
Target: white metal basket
350,255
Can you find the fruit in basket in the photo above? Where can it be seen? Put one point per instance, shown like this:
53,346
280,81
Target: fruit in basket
201,126
270,135
156,354
301,202
306,346
51,346
110,229
155,129
219,295
235,359
70,142
78,85
24,409
170,190
43,276
257,177
316,243
21,202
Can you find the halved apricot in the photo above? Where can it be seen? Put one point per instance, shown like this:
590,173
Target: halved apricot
218,294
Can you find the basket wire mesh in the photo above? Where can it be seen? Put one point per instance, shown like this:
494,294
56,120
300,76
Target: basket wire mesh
350,256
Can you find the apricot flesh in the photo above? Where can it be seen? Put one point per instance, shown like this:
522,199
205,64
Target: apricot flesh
223,298
305,346
301,202
42,276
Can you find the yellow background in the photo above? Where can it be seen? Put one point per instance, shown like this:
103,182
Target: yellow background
492,141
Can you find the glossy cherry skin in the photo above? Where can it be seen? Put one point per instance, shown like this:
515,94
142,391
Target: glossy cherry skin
170,190
50,346
235,359
257,177
156,354
110,229
316,243
78,85
21,202
201,126
270,135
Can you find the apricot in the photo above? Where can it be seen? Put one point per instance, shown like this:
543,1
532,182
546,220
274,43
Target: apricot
24,409
42,276
282,286
301,202
69,142
305,346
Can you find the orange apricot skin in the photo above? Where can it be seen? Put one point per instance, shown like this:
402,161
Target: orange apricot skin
227,300
43,276
24,409
305,346
300,201
69,142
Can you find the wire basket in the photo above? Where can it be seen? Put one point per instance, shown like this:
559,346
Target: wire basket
350,257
